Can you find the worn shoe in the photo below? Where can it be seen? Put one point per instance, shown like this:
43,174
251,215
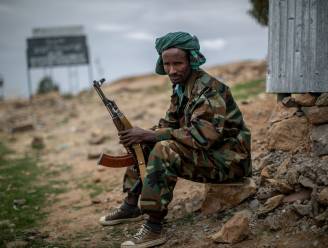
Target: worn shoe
120,215
144,238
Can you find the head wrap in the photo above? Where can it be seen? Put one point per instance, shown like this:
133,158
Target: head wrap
183,41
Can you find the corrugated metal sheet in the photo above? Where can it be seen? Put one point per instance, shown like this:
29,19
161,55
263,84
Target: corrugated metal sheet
298,46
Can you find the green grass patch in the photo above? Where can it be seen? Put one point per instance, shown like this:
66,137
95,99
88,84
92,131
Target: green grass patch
95,189
249,89
22,197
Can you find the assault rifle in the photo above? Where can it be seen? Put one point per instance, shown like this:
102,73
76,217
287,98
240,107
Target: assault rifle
134,153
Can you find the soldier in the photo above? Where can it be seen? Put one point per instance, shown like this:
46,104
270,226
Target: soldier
202,138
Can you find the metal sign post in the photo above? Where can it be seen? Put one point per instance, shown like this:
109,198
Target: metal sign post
1,88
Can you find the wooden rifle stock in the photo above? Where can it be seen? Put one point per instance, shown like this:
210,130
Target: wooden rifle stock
135,153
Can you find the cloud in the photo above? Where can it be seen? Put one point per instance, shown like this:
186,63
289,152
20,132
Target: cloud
142,36
213,44
110,27
5,9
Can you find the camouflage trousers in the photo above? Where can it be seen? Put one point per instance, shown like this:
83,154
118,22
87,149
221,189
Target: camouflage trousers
169,160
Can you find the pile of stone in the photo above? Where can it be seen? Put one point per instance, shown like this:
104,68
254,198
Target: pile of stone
298,121
290,193
293,174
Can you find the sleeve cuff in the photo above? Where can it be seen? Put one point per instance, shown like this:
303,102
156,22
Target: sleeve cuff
163,134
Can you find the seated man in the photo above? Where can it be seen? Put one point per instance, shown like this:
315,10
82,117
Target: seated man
202,138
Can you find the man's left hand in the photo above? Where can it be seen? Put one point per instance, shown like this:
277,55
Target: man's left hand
136,135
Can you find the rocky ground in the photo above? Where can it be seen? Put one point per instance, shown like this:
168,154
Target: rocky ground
285,205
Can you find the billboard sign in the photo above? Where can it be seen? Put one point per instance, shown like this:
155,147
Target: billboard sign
57,51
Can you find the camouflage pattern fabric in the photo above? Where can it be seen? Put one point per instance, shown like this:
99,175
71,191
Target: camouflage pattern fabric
203,139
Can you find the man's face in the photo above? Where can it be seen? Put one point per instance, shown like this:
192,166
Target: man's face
176,65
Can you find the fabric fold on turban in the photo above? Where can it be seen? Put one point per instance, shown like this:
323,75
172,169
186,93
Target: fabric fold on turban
183,41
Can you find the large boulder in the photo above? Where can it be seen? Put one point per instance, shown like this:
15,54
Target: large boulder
306,100
288,134
220,197
316,115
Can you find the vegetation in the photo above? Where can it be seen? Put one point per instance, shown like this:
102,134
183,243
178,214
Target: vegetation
260,11
249,89
22,198
47,85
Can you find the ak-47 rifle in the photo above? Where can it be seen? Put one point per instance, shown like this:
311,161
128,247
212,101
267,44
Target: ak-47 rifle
135,154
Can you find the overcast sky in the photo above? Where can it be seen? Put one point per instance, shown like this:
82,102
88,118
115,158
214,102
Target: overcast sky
121,35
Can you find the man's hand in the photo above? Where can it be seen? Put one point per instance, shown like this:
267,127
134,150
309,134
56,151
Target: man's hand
136,135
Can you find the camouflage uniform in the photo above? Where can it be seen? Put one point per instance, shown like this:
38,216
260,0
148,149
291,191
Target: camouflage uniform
202,138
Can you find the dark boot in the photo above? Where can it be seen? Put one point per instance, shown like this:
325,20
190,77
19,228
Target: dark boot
125,213
149,235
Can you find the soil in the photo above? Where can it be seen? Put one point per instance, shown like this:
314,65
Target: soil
66,127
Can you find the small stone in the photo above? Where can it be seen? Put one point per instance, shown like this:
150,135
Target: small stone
97,180
289,102
292,176
100,168
94,154
19,202
305,100
254,204
37,142
24,126
264,162
265,173
322,100
265,193
323,196
322,217
45,235
235,230
303,210
280,185
298,196
316,115
319,138
299,113
97,139
177,207
95,201
306,182
271,204
283,167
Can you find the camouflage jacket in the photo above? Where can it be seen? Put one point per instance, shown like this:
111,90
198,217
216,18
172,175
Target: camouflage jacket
207,119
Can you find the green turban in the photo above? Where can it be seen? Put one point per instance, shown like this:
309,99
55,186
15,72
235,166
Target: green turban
183,41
